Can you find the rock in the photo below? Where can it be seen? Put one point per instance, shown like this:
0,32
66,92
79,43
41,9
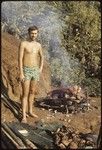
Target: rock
82,143
55,111
67,115
67,96
69,103
88,147
76,139
73,98
57,139
77,132
71,108
73,145
70,140
65,120
65,142
50,109
73,134
62,146
69,120
89,139
61,134
58,130
77,100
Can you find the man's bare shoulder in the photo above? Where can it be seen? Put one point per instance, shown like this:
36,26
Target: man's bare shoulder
39,45
24,42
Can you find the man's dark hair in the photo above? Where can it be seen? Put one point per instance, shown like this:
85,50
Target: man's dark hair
32,28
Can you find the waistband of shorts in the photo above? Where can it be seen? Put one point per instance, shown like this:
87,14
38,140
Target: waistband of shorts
34,67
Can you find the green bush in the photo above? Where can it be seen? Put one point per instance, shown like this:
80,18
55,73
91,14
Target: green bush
93,86
82,39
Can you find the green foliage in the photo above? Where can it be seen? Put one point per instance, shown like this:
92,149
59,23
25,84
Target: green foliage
82,35
93,86
82,39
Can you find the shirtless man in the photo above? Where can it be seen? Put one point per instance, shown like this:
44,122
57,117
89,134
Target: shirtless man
30,65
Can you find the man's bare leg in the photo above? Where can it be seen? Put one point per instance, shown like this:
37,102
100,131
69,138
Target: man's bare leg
31,98
25,85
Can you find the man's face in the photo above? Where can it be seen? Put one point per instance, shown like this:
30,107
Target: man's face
33,34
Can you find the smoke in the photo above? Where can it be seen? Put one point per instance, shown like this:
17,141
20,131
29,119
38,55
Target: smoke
23,14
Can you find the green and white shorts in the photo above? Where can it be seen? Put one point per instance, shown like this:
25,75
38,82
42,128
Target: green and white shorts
31,73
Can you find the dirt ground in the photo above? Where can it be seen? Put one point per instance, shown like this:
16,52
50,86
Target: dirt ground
84,122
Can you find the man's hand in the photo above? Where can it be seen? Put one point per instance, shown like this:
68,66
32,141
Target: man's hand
40,70
22,77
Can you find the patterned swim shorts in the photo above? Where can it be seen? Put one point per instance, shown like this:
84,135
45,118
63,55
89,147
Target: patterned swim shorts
31,73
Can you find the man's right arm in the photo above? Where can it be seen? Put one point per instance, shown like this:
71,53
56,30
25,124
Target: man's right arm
20,59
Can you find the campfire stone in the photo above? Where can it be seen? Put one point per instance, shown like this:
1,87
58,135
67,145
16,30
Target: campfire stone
69,103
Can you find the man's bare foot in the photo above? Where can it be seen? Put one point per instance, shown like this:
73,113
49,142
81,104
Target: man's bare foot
27,115
24,120
33,115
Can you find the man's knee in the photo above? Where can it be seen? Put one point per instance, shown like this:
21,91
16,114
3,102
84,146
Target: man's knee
25,95
32,91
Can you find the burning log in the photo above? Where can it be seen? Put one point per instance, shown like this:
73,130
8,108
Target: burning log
63,104
71,100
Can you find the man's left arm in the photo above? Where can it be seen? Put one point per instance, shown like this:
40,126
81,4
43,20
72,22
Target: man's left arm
42,58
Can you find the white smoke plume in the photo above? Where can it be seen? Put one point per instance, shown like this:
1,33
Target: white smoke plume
23,14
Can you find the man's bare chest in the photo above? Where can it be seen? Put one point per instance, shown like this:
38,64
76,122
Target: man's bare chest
33,49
